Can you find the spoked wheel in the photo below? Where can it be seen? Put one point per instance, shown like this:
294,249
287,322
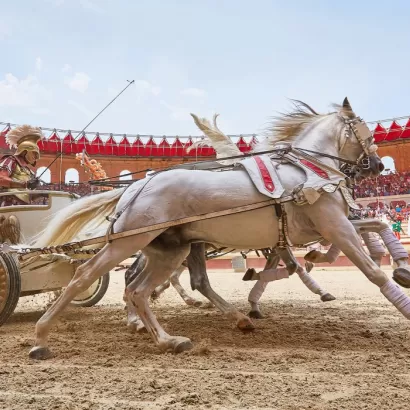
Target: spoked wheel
94,293
10,286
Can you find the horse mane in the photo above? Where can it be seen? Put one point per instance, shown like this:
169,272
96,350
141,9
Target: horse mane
288,126
285,127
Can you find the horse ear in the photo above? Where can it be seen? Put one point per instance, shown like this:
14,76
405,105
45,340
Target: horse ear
346,104
347,108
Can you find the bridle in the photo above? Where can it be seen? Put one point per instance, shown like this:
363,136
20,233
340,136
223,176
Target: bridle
359,129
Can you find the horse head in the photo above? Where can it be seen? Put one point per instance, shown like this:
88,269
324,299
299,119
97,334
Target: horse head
357,144
337,138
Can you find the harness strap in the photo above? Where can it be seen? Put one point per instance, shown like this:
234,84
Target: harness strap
346,161
150,228
279,214
283,241
112,220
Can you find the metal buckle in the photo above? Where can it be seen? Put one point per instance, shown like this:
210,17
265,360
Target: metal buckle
365,162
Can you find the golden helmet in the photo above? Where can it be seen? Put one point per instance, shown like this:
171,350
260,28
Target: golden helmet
24,138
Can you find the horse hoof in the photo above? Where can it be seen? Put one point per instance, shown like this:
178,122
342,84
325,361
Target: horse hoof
309,266
402,277
40,353
249,274
327,297
136,327
193,302
131,327
255,314
140,328
245,325
183,346
208,305
313,256
154,295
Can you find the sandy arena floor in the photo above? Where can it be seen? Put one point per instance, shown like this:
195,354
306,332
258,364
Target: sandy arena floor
349,354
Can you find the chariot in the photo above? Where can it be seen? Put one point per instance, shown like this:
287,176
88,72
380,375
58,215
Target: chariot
19,224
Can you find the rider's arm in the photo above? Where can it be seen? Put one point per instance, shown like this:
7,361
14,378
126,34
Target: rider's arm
7,168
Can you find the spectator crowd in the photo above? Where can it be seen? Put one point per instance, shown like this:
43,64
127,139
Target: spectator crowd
79,189
397,183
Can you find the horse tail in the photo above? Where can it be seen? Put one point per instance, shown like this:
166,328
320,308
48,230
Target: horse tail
221,143
86,214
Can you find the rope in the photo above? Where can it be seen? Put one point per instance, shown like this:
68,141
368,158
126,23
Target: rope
219,166
82,131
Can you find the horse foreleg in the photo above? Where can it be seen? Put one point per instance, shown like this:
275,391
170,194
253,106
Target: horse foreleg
313,286
200,281
259,288
254,297
375,248
346,239
399,254
290,260
272,273
174,279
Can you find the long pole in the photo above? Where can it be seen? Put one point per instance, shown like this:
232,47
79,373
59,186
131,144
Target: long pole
61,153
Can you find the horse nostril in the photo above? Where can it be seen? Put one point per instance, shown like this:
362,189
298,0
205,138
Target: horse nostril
381,166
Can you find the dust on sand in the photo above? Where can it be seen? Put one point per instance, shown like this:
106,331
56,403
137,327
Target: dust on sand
352,353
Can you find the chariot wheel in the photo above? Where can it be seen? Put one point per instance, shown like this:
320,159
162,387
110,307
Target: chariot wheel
94,293
10,286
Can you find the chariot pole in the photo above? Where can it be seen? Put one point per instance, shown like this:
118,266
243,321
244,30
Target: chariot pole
81,132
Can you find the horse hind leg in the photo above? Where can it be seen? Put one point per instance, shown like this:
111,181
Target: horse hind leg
134,323
174,279
86,274
200,281
159,266
159,290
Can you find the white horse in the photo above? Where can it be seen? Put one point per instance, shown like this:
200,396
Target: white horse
224,148
368,229
195,262
178,194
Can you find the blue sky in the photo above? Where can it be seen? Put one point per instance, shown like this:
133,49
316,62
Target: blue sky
63,60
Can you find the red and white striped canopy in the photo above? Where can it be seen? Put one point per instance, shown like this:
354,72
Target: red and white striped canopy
149,146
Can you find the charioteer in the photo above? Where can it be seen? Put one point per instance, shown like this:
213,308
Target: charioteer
16,170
